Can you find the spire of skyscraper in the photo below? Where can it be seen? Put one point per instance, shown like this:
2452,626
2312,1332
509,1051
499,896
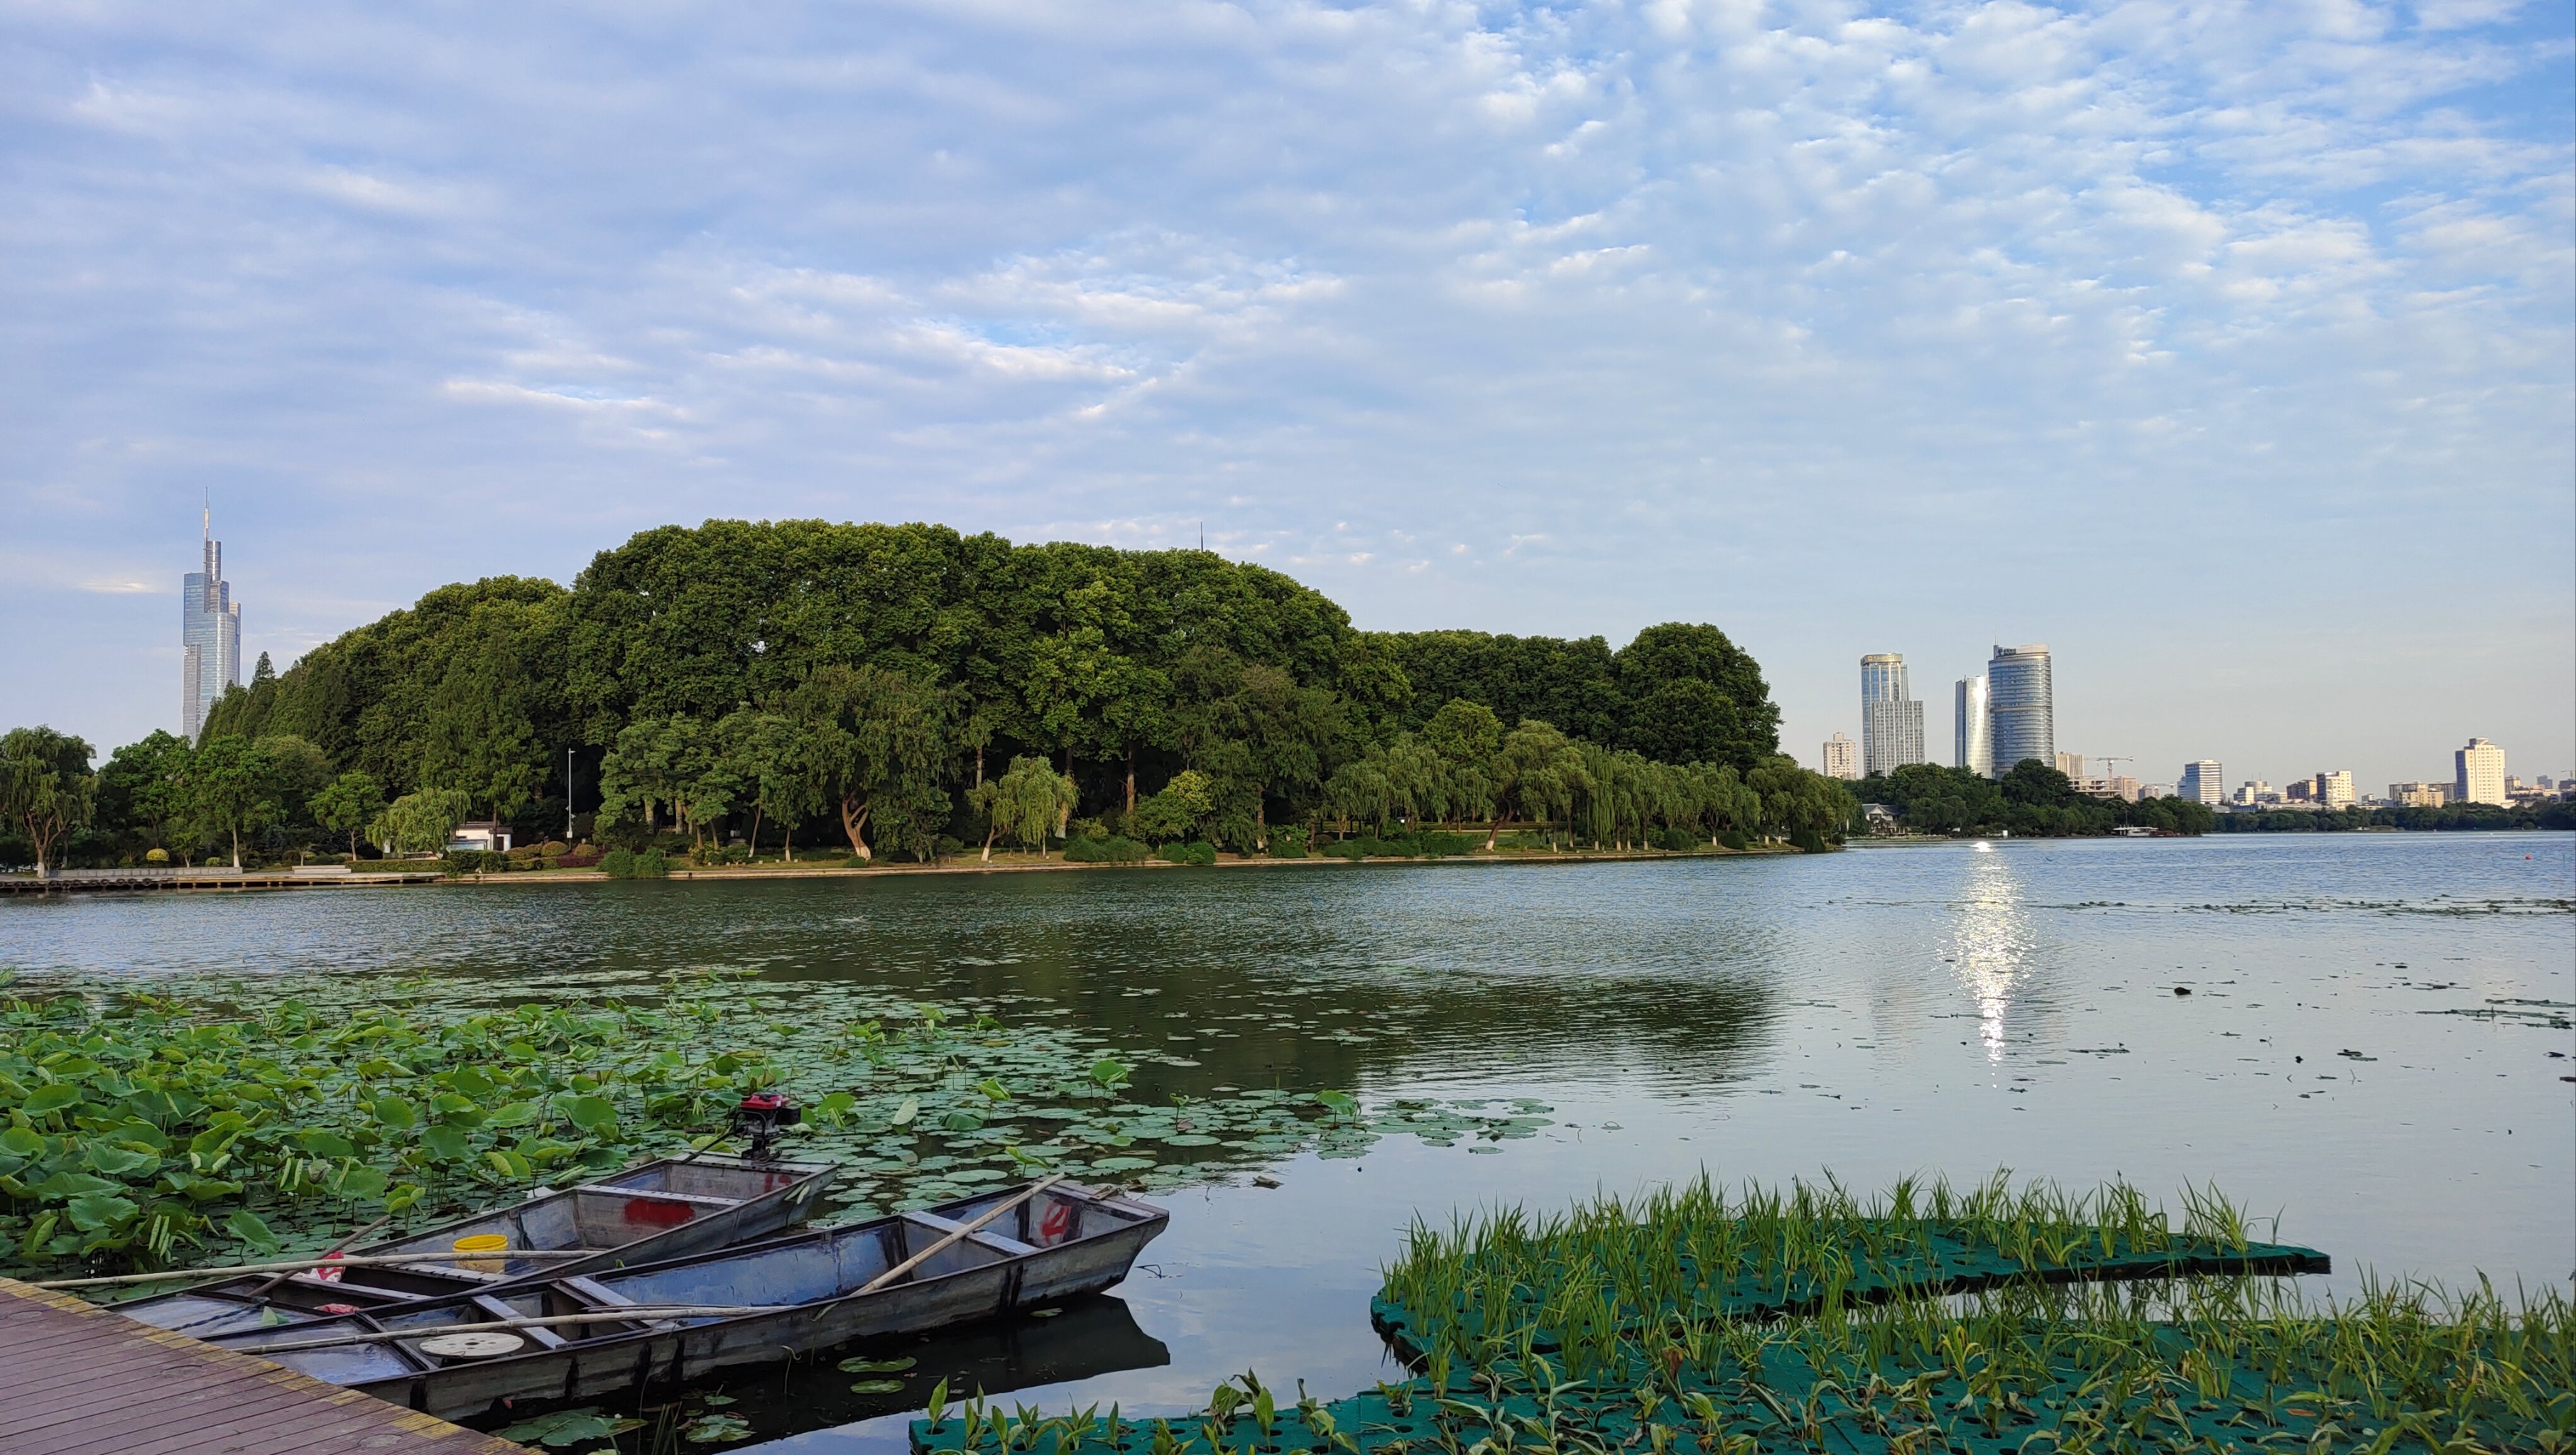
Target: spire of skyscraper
209,632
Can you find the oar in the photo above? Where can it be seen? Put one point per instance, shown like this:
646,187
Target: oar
958,1236
332,1253
612,1314
295,1265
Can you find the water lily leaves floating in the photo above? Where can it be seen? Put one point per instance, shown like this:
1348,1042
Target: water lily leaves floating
713,1429
878,1366
910,1108
566,1428
878,1386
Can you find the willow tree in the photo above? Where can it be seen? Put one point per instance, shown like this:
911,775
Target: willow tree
880,740
1025,804
46,786
1538,771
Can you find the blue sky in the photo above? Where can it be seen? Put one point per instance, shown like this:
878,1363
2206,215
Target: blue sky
2228,348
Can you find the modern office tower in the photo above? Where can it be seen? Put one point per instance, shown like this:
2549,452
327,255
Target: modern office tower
1842,757
1976,748
2334,788
2072,765
2479,776
1891,721
2020,707
209,636
2255,791
2202,782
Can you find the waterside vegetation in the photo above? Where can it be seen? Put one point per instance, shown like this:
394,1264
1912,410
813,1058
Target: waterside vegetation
2033,800
145,1131
1929,1319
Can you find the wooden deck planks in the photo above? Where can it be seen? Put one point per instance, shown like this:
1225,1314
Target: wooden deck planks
76,1380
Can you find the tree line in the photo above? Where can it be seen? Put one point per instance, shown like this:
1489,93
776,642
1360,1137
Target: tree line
2445,818
2032,800
879,687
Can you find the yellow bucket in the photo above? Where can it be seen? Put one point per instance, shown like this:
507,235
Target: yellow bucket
483,1243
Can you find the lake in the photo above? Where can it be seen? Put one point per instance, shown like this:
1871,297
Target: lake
2373,1049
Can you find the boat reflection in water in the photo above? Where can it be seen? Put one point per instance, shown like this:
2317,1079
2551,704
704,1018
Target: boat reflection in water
1090,1336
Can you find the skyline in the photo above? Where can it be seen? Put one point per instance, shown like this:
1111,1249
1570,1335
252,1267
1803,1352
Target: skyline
2231,351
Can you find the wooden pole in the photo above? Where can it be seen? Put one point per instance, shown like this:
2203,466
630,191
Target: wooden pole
623,1313
954,1238
332,1253
297,1265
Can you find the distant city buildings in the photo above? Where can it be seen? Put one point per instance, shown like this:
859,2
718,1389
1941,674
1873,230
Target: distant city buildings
2203,782
1842,757
2333,789
2021,710
1975,751
2072,765
2419,795
2478,775
2253,792
1891,720
210,636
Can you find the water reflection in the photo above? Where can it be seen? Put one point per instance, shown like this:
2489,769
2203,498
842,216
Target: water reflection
1991,944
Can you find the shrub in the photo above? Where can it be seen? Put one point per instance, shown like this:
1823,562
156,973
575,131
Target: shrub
1115,849
1808,841
949,846
1201,853
620,863
1678,841
1735,839
157,856
554,848
652,864
584,857
462,861
493,861
1346,849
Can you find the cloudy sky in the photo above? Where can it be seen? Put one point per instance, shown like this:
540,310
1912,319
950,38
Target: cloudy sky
2229,348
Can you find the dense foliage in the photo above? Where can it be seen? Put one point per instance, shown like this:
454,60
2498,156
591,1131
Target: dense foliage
865,686
2034,800
2450,817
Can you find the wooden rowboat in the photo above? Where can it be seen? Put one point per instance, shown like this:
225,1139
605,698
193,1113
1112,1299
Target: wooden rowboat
584,1336
667,1208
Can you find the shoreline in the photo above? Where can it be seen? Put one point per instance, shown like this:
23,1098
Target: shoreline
738,873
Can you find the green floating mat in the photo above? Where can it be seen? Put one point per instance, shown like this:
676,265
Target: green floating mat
1914,1259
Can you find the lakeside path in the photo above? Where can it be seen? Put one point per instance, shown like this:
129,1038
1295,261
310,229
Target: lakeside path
838,871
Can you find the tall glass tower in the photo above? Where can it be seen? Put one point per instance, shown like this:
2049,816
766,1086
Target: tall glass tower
1976,748
2021,707
1891,721
209,636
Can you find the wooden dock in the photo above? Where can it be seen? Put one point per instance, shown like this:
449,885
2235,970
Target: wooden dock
77,1380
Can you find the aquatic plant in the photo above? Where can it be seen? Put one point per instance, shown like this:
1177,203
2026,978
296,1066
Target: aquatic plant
1686,1323
141,1129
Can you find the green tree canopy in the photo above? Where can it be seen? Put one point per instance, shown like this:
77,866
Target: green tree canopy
349,803
46,786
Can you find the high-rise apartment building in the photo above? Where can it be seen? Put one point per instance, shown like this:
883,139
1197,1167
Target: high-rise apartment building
2419,795
1976,748
2072,765
2479,773
2202,782
2333,788
2021,707
1842,757
209,636
1891,720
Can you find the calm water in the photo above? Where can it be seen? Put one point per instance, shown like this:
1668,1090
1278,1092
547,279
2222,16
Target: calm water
2374,1050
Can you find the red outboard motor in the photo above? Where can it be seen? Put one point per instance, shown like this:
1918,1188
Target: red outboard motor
760,1117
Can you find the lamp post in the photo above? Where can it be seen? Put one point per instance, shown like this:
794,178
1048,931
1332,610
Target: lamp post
567,795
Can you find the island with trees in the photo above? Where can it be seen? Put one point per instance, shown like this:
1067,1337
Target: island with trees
801,690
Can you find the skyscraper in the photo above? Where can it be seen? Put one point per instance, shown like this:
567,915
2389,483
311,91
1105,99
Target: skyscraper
1976,746
209,636
2021,706
2203,782
2480,773
1842,757
1891,721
